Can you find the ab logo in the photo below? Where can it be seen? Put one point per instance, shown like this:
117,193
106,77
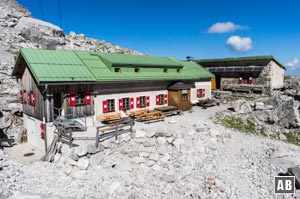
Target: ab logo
284,184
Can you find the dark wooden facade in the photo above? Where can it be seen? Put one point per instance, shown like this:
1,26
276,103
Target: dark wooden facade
178,99
179,96
28,85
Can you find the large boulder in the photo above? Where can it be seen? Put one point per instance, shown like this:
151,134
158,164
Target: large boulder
286,109
295,171
259,106
245,108
267,116
236,105
44,33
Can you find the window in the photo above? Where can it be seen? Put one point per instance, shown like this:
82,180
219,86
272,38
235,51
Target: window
110,105
165,70
200,92
80,99
126,103
178,70
184,96
117,70
143,101
137,70
161,99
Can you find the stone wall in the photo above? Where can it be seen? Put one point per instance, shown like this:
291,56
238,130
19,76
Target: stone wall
263,78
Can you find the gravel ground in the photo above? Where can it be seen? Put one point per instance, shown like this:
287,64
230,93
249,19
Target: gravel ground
160,160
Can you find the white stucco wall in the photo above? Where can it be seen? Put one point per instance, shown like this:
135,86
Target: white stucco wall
99,98
34,132
277,75
201,85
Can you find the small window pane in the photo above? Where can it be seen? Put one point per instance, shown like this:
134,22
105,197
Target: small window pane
143,101
110,105
126,103
161,99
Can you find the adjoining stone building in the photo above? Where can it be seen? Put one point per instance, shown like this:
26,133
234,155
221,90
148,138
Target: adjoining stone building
258,73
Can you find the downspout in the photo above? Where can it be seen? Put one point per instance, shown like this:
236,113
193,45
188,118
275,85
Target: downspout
44,93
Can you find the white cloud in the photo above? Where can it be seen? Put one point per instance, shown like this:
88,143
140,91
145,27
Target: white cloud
240,44
294,64
224,27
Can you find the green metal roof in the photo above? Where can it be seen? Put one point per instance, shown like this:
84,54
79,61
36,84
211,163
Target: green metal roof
240,59
140,60
84,66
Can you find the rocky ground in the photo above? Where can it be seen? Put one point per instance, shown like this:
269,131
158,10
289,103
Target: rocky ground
194,158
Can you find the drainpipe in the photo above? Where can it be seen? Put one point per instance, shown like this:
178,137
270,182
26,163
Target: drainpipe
44,93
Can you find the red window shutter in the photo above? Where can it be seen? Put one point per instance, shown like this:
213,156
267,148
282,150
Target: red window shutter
121,104
198,93
157,99
240,80
166,98
33,100
87,98
72,99
21,97
138,105
28,98
42,126
131,103
148,101
250,80
203,92
104,106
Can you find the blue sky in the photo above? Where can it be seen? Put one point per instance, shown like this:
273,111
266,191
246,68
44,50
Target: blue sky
202,29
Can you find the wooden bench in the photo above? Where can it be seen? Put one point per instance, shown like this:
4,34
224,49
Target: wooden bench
110,128
135,113
111,118
153,113
155,118
151,116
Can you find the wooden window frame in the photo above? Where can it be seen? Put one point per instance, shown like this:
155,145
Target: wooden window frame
161,99
80,98
126,103
184,96
111,105
143,102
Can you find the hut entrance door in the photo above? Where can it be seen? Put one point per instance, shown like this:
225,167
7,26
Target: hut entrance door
57,103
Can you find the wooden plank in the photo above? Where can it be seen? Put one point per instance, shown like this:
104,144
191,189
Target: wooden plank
155,118
148,114
137,112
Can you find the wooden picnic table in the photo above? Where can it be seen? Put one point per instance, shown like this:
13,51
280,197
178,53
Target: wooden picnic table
137,112
153,113
111,118
168,110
